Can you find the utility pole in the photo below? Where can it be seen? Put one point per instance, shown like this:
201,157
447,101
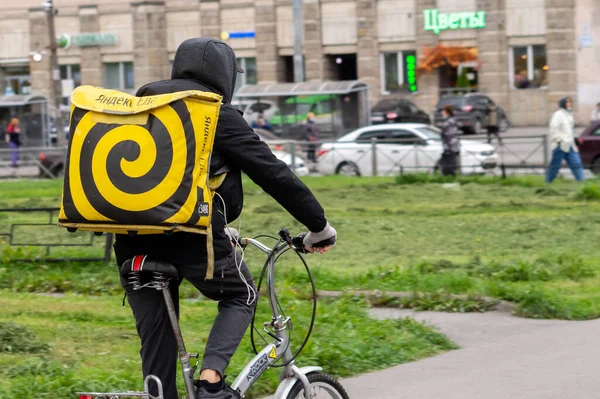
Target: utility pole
298,56
56,89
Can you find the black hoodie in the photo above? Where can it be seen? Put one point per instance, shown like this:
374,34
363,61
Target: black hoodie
210,65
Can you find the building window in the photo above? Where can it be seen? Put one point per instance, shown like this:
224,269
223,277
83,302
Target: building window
249,75
71,72
70,76
118,75
16,80
398,72
529,67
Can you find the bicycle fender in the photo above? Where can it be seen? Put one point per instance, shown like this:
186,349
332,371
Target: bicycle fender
286,385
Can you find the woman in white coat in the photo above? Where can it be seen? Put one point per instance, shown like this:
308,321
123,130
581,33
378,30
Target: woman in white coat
562,139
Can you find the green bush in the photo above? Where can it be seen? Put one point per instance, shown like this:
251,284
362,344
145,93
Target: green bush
523,271
18,339
537,304
589,192
422,178
438,301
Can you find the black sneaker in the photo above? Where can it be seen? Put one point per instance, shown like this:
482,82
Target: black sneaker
220,390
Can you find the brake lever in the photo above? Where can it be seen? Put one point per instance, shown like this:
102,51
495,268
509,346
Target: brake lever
298,243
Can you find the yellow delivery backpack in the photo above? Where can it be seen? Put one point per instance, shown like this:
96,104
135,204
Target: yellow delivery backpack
140,165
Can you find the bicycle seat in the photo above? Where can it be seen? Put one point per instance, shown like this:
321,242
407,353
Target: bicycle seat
141,264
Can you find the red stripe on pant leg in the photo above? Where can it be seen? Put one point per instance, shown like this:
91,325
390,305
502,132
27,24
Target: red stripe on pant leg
142,262
137,262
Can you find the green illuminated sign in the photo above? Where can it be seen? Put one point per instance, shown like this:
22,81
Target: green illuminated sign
437,22
411,72
86,40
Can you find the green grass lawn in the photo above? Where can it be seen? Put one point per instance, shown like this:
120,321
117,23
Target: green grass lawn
517,240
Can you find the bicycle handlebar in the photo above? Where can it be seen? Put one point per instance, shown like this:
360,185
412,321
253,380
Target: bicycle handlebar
296,242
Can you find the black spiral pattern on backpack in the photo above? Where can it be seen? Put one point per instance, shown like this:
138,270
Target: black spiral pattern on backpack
101,169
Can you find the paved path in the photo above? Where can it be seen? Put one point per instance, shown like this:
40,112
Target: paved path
501,357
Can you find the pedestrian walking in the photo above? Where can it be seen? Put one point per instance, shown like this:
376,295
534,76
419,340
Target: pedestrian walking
311,134
13,132
562,139
451,142
261,123
491,123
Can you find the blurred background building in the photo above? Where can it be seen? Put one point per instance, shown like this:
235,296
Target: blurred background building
525,54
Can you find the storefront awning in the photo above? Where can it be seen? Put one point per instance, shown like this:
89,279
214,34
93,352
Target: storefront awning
19,100
338,87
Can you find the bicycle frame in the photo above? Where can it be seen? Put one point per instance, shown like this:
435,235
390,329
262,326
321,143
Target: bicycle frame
272,353
280,348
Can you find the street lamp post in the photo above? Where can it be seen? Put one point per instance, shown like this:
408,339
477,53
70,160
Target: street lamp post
298,56
56,90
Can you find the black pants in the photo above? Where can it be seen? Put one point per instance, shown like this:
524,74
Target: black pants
448,163
493,131
311,152
159,348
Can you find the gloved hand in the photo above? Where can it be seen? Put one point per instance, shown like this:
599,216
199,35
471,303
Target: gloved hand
321,241
233,234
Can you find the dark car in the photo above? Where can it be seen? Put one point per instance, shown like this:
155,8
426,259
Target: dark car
589,147
398,111
51,163
471,112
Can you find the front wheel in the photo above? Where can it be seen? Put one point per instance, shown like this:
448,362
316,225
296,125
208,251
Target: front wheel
348,169
322,386
477,127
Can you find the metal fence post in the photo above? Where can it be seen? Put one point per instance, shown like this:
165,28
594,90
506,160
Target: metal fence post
293,154
374,155
108,247
545,145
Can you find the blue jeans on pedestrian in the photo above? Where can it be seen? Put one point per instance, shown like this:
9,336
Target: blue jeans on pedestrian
14,153
573,160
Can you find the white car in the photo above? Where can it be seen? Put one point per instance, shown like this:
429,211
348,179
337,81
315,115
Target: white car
400,147
280,152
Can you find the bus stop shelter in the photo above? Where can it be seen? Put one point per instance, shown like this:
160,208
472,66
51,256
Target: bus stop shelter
32,112
338,106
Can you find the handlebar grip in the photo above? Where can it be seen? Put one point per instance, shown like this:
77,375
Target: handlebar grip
325,243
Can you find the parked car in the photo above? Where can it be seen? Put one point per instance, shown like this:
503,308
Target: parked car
589,147
283,151
54,161
53,136
407,147
471,111
398,110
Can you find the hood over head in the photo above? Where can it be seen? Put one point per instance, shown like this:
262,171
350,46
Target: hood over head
562,103
208,61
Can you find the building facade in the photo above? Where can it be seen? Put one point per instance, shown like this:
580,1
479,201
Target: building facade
528,53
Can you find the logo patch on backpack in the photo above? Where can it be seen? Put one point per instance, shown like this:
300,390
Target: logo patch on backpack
203,209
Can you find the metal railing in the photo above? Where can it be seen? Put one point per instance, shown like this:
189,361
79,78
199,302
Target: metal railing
33,162
36,228
521,154
511,155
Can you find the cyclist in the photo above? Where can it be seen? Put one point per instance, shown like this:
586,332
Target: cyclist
210,65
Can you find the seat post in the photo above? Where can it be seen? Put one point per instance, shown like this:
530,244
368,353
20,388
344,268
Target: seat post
184,357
